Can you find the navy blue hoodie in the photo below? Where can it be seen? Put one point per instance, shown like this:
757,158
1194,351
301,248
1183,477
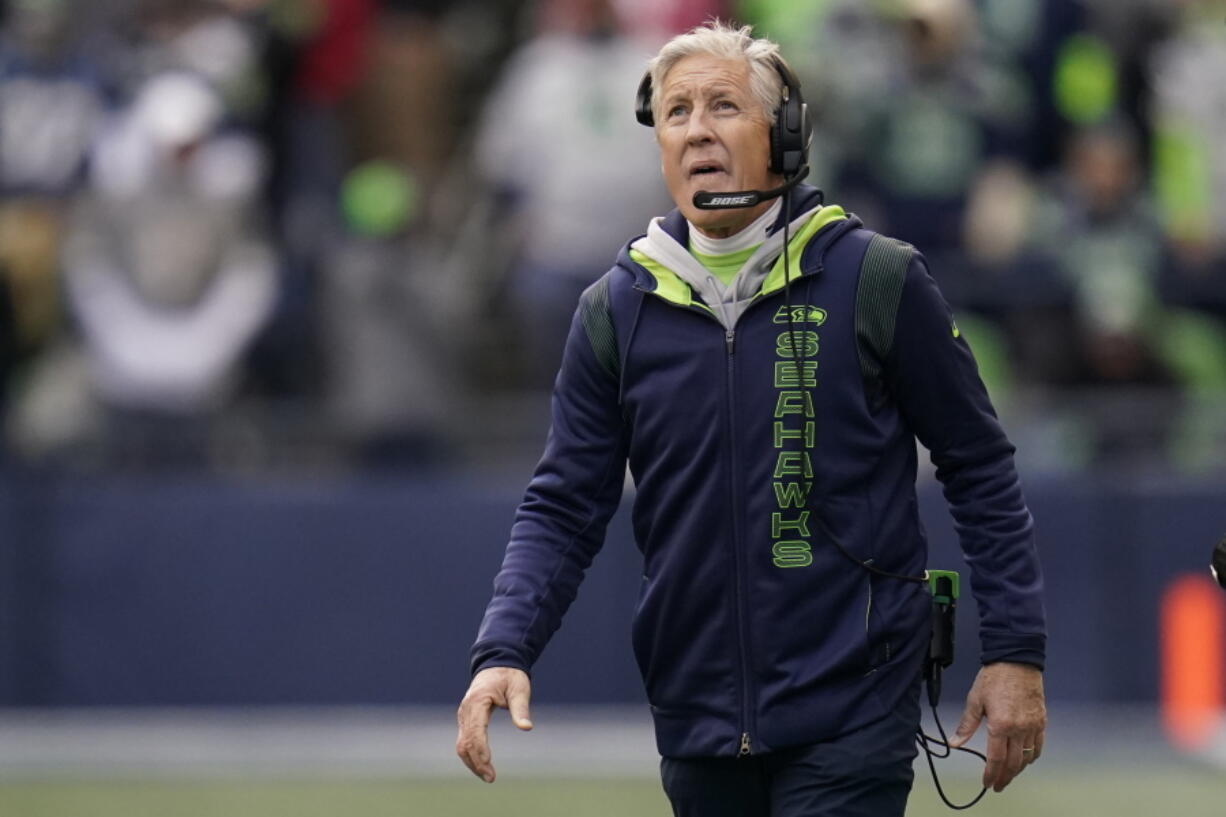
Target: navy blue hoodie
752,631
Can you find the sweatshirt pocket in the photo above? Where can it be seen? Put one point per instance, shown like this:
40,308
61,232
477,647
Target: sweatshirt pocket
876,642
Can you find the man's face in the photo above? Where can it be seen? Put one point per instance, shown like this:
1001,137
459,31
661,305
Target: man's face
714,137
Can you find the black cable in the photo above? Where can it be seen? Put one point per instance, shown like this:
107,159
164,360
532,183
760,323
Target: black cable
821,523
787,287
925,741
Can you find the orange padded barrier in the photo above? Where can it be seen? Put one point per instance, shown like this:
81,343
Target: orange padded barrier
1193,626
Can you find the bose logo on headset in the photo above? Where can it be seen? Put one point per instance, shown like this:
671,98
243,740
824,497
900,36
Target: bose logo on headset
745,198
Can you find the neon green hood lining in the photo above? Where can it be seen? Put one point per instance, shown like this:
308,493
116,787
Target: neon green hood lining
671,288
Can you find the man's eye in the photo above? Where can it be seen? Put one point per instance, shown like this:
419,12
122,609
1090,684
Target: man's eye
676,110
725,105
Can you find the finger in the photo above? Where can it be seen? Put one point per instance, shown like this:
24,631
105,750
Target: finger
997,754
475,754
972,716
1038,746
1014,763
482,768
472,742
1035,744
518,696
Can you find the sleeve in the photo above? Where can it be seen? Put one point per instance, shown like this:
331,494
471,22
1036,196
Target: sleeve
560,525
932,374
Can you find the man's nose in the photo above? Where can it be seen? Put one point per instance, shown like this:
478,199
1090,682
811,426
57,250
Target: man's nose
698,130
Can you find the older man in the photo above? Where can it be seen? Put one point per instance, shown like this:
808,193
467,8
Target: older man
767,396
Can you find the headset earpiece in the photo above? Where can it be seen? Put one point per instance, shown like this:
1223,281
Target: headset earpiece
792,132
777,152
642,102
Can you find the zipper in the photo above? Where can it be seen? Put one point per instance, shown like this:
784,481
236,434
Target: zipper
739,569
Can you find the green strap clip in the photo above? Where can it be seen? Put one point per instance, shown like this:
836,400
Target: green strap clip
943,584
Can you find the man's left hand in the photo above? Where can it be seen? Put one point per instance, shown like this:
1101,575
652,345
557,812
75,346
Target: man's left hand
1010,696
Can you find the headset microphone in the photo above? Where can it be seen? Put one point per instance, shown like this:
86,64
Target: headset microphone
746,198
1218,565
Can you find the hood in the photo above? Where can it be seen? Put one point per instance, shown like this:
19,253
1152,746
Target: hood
661,262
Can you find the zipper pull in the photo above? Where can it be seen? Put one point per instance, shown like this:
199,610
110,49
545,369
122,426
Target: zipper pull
729,338
745,748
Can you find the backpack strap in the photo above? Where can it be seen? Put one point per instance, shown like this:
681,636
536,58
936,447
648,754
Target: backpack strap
597,319
878,294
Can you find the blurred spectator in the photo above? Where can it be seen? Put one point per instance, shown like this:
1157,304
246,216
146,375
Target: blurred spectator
844,53
314,58
1108,250
913,99
1189,118
1043,46
166,270
1128,32
389,361
320,53
202,37
409,79
1098,230
948,109
30,232
560,146
52,95
661,19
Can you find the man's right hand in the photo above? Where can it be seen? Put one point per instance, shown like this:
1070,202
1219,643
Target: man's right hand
500,687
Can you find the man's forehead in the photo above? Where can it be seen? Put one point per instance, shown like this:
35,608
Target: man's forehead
704,73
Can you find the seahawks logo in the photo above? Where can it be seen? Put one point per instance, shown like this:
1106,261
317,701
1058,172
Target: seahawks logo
801,314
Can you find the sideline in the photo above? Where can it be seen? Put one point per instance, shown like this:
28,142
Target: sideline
417,742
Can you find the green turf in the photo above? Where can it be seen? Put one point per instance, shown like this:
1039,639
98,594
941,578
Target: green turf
452,798
1164,792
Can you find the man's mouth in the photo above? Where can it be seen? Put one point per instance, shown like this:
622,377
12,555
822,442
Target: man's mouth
707,170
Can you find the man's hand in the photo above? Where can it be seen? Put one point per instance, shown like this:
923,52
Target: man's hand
1010,696
501,687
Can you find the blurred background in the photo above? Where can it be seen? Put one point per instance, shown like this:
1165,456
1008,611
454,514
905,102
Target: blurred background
284,283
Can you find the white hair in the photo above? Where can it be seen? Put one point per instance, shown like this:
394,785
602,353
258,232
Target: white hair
725,41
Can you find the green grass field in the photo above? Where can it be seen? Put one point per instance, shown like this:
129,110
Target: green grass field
1133,792
581,762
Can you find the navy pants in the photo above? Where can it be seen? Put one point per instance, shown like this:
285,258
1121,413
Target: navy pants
866,773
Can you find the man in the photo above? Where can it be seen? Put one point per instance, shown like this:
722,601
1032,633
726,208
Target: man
768,412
